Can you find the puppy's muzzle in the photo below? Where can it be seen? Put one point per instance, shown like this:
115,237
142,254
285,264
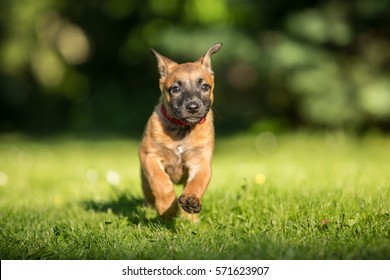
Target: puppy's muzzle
192,107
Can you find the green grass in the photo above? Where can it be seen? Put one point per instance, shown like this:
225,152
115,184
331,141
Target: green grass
288,197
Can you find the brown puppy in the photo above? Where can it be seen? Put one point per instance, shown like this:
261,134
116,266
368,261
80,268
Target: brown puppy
178,141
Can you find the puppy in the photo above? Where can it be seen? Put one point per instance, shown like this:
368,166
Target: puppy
178,142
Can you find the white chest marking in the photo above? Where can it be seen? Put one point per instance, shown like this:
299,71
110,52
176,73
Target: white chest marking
179,150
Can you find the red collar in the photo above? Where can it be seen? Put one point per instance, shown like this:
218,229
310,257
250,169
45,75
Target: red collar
176,121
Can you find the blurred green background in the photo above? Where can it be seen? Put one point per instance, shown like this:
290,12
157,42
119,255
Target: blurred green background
85,66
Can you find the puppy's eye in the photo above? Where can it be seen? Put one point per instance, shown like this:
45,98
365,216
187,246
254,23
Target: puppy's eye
205,88
175,89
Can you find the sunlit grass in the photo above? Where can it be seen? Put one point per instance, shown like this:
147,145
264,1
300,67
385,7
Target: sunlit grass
271,197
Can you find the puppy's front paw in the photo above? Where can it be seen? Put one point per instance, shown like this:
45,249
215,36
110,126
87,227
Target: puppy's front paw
190,203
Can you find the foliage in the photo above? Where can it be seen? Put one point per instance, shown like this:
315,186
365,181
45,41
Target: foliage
85,65
271,197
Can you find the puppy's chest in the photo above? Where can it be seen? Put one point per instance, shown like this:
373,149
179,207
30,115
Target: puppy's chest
174,162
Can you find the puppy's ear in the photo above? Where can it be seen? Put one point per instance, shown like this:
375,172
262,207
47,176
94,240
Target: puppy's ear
164,64
205,60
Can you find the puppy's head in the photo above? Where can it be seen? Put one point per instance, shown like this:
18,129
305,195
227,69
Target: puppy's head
187,88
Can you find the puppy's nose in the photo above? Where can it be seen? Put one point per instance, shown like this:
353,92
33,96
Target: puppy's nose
192,107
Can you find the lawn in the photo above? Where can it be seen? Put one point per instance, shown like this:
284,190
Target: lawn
293,196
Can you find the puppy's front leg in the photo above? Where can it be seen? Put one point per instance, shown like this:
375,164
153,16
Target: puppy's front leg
199,177
160,186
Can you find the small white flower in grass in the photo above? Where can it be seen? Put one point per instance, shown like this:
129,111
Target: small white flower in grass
92,176
113,178
3,179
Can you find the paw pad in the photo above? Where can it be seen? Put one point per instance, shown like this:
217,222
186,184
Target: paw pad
190,203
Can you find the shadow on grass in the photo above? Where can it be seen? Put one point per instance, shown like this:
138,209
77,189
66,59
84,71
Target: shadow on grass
131,207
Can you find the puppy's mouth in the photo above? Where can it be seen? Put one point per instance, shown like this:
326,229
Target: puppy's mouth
192,120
